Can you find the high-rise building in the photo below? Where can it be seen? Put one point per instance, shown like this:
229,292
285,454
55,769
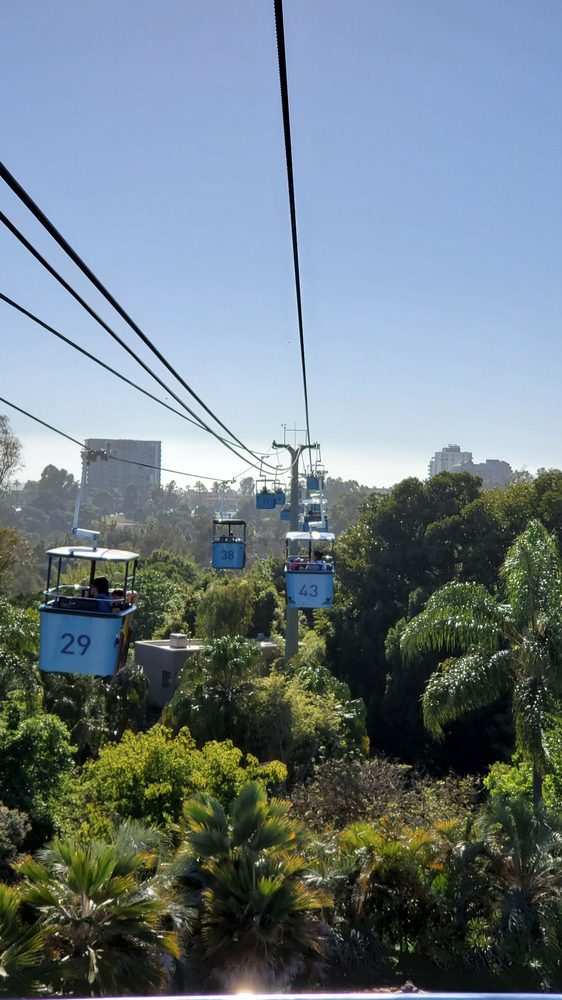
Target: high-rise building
493,471
110,475
447,458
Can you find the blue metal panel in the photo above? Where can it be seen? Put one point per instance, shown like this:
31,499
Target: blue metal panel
280,497
313,482
80,643
309,590
285,515
265,501
229,555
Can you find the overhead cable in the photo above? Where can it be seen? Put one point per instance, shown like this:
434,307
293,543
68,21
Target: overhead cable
280,32
98,361
35,253
110,457
30,204
113,371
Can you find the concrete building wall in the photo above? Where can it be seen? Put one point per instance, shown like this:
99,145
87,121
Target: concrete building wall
493,472
161,661
110,475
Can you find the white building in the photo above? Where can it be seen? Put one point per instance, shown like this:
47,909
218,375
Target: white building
446,459
493,472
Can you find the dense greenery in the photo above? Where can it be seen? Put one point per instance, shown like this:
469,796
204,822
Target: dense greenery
512,645
292,824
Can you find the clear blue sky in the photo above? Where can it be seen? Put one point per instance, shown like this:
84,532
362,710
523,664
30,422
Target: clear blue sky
427,148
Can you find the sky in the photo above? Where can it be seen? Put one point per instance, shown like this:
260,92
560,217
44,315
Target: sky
427,148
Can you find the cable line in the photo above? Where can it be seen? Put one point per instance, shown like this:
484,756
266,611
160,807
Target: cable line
280,32
102,364
110,457
98,361
45,424
28,201
35,253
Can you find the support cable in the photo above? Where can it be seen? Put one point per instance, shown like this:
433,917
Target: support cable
280,32
102,364
30,204
111,458
98,361
35,253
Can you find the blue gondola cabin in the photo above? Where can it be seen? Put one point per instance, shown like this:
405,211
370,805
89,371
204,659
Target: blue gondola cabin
229,544
85,629
309,569
266,496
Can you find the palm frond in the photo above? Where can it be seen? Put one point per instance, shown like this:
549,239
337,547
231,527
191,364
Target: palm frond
462,684
532,576
531,722
459,616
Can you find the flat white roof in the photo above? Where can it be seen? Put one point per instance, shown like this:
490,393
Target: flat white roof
86,552
310,536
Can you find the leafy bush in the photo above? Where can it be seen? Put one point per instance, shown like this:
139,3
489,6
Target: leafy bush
35,755
281,717
147,776
14,826
353,789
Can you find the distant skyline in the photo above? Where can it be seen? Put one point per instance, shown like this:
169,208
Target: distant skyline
174,457
427,144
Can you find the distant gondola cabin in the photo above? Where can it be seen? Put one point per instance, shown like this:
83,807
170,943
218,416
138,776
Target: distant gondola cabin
85,627
266,495
229,544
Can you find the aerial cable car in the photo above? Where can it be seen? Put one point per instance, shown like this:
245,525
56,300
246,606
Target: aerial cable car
86,628
280,497
315,513
316,476
309,569
266,496
229,543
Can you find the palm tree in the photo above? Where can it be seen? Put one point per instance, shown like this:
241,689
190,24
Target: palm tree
512,646
104,922
205,700
525,850
21,946
258,924
392,882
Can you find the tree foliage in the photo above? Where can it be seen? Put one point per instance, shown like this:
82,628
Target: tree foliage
513,646
35,755
225,609
404,547
147,776
19,652
10,453
210,686
259,924
103,923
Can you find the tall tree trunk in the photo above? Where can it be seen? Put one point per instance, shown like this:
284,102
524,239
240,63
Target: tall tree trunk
537,789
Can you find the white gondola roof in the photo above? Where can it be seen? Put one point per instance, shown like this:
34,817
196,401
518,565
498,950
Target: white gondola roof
310,536
86,552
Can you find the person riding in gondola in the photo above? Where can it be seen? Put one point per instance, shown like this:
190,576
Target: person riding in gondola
100,590
318,564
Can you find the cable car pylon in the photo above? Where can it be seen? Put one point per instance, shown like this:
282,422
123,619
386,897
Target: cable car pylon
292,613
